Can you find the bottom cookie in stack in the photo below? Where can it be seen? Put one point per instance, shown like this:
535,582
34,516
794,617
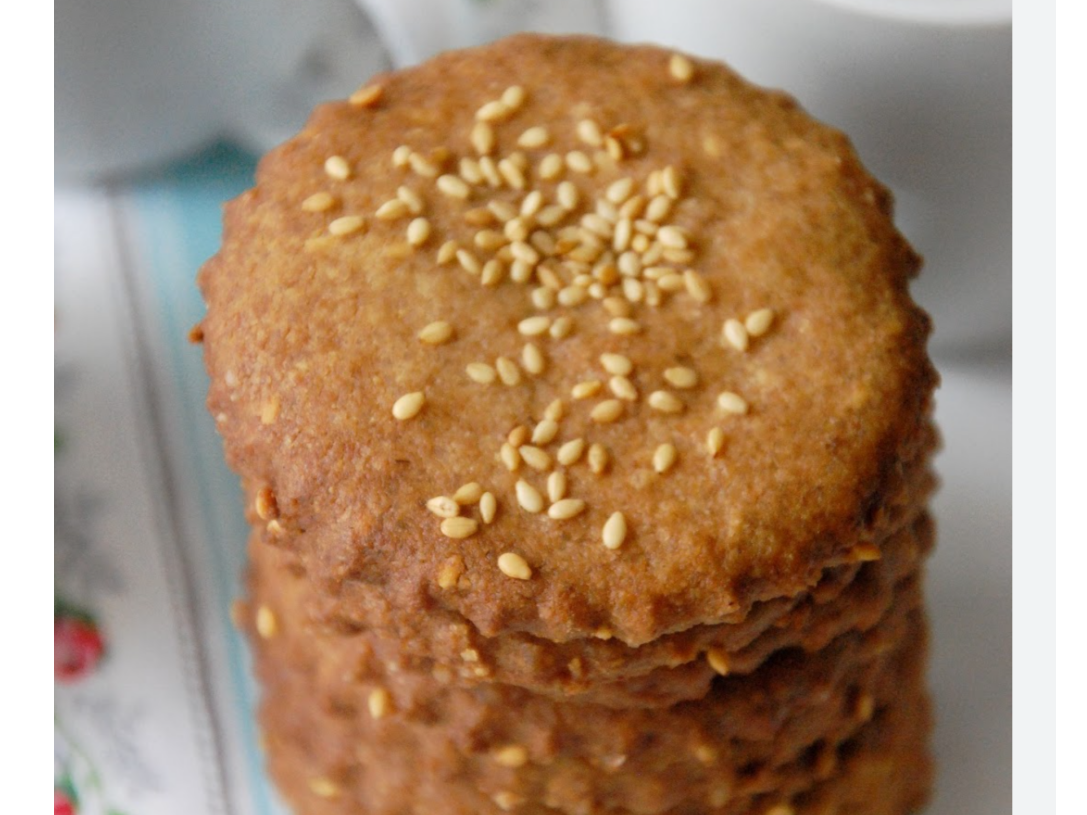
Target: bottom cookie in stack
843,729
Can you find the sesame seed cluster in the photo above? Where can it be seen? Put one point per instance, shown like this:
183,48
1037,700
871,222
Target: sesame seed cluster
584,422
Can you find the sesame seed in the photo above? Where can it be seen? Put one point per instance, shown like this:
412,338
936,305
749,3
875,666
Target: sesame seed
570,452
411,199
565,508
545,431
551,166
513,97
468,261
623,388
488,505
597,225
617,306
508,371
535,458
524,252
665,402
518,436
579,162
652,294
598,458
615,530
571,296
401,156
510,457
534,137
421,165
731,402
715,440
346,225
459,527
513,565
469,170
735,334
533,359
664,457
680,257
493,272
556,486
671,282
543,298
338,168
323,787
481,373
379,702
616,364
512,174
629,264
586,389
408,405
468,493
418,231
534,326
758,322
512,755
672,237
367,96
493,111
681,377
623,232
623,326
532,203
489,168
718,660
567,195
670,182
658,208
697,286
443,506
561,328
269,411
482,138
555,411
633,289
453,186
866,552
681,68
265,504
521,272
607,411
319,202
589,132
489,239
266,622
447,252
528,497
550,215
392,209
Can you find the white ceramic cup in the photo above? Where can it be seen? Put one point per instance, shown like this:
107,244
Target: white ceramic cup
924,90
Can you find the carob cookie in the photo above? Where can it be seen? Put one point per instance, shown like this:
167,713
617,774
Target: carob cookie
604,357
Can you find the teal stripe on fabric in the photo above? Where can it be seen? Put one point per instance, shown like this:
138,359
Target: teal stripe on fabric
179,222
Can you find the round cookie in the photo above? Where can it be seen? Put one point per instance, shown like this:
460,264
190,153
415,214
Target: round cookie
767,374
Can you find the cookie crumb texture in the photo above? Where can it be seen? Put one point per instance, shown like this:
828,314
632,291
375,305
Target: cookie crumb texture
577,390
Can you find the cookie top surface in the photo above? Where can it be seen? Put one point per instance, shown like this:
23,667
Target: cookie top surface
688,294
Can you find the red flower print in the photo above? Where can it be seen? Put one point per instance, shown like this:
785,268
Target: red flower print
77,647
62,804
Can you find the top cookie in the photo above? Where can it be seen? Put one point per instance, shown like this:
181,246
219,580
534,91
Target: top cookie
570,338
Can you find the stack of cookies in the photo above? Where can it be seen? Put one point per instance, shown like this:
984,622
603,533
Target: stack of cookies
585,422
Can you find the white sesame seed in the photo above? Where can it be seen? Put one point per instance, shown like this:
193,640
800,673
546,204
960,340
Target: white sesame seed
535,457
715,440
482,138
607,411
588,131
616,364
469,170
408,405
565,508
681,377
468,493
401,156
532,359
697,286
619,191
267,625
459,527
489,239
518,436
508,371
598,458
534,326
512,174
623,326
579,162
623,388
641,243
346,225
323,787
453,186
718,660
513,97
586,389
568,195
447,252
731,402
443,506
617,306
658,208
556,486
338,168
379,703
555,411
550,215
758,322
423,166
652,294
615,531
561,328
528,497
629,264
665,402
551,167
493,111
319,202
516,229
488,505
515,566
545,431
597,225
512,755
624,230
493,272
534,137
521,272
531,204
436,333
681,68
735,334
418,231
525,252
572,296
670,182
392,209
664,457
468,261
366,96
678,256
670,282
633,289
489,168
510,457
570,452
672,237
481,373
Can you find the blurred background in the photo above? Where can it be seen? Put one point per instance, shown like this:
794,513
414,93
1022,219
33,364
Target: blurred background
160,112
